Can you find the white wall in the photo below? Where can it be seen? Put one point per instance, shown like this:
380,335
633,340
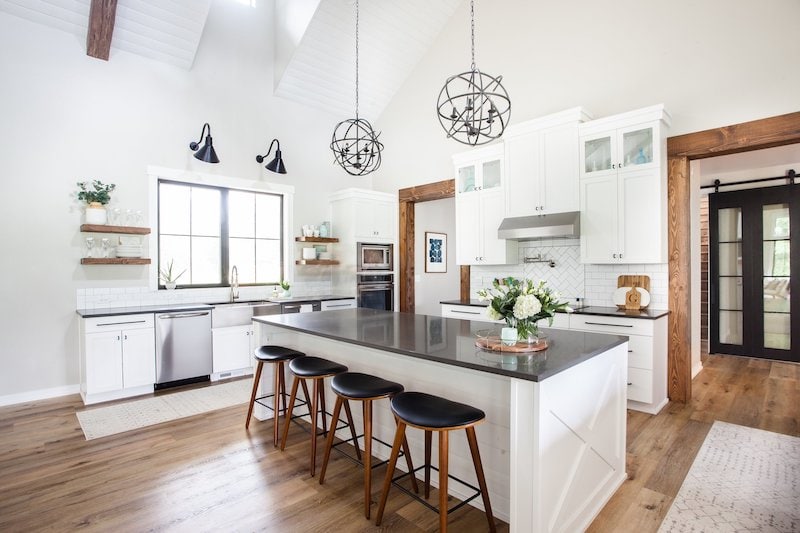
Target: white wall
712,63
67,117
431,288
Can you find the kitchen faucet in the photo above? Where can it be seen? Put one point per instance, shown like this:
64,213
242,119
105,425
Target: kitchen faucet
234,283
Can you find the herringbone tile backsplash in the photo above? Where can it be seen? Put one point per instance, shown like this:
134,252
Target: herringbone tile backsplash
592,284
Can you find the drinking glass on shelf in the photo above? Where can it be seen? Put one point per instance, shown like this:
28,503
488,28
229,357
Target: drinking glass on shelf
138,218
115,216
89,246
128,217
104,245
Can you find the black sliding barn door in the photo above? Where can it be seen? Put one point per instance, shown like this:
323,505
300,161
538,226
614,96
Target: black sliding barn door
754,265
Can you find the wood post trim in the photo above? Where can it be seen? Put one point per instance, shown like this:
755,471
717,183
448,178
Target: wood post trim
102,14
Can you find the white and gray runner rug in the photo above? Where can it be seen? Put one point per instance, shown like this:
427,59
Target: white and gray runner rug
743,479
103,421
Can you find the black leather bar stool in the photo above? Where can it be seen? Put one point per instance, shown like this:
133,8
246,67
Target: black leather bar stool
364,388
275,355
315,369
433,413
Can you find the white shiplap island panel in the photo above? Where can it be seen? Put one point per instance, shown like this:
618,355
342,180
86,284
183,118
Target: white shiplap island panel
553,442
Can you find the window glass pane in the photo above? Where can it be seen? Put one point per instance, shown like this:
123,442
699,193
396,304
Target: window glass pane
242,254
637,147
777,331
730,293
597,154
268,261
206,260
730,327
776,221
268,216
466,179
175,248
173,205
241,214
205,212
491,174
730,259
730,225
776,295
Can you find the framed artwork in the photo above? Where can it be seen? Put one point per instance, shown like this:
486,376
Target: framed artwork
435,252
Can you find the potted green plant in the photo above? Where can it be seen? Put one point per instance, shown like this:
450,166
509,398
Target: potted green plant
166,275
96,195
285,286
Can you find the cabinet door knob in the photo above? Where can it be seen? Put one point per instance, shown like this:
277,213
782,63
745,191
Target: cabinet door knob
614,256
125,337
620,256
117,337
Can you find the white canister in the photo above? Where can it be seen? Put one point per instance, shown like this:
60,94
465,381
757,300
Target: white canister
96,213
309,253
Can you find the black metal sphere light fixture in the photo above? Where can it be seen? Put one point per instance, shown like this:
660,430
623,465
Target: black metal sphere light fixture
206,152
355,144
473,107
276,165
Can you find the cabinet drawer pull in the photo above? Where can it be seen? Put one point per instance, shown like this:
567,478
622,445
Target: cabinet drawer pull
337,305
465,312
613,325
630,383
121,323
183,315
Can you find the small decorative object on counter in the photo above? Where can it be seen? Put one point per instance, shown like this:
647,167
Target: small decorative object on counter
168,277
285,286
96,196
521,303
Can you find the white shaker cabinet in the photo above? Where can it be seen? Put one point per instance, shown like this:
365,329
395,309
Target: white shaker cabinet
480,208
117,355
541,164
364,215
623,192
232,351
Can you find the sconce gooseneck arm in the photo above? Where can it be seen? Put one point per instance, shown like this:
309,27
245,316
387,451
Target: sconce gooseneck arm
260,158
194,145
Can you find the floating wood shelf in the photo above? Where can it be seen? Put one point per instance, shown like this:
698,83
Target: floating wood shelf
101,228
316,262
115,260
317,239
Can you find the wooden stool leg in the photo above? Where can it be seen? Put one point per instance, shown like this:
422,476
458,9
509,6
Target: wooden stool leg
387,482
352,427
305,393
283,386
321,392
289,412
278,392
476,459
428,436
256,379
314,408
329,441
443,459
407,453
367,456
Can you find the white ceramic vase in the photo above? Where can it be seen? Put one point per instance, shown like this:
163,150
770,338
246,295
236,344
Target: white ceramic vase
170,285
508,336
96,213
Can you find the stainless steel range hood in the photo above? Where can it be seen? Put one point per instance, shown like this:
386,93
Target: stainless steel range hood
540,226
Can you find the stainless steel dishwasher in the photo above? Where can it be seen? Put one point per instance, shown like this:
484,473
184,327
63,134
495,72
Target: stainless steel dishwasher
183,348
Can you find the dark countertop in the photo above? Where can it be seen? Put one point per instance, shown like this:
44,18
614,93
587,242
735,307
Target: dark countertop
445,340
170,308
650,314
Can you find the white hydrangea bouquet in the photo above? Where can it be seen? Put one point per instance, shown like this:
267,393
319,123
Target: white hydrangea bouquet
521,303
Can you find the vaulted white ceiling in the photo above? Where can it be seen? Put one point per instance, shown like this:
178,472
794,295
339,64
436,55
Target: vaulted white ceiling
167,31
393,37
318,67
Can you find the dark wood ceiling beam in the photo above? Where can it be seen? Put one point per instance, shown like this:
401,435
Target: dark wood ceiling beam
102,14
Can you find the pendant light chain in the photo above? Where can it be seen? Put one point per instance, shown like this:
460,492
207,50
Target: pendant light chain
357,10
472,28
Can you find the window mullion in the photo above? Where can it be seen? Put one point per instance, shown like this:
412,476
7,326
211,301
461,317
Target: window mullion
224,233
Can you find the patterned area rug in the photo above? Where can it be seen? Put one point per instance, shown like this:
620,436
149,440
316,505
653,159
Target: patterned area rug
104,421
742,479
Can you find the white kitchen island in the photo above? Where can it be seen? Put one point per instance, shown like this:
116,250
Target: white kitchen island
553,443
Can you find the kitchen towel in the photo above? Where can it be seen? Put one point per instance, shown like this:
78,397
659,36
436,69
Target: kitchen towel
103,421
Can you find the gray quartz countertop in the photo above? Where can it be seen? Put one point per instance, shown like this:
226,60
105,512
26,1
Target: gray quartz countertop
596,310
174,308
445,340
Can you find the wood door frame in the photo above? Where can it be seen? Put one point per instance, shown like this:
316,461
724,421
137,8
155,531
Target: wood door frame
408,198
681,150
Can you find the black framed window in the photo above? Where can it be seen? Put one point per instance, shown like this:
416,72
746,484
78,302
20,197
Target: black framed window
206,230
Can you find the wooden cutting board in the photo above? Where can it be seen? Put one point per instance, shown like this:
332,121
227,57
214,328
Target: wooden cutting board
634,280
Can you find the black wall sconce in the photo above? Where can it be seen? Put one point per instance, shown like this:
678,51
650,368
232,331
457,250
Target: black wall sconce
206,153
276,165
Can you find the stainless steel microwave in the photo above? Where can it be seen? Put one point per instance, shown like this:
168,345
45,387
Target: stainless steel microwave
374,257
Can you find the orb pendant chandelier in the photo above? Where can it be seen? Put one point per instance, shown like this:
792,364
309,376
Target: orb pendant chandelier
355,144
473,107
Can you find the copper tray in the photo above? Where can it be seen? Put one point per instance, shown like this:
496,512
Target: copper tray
493,343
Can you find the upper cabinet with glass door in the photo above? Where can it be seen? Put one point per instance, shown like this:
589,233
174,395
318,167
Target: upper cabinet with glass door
628,141
479,169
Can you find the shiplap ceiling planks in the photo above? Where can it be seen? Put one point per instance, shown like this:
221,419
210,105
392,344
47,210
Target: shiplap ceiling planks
393,38
164,30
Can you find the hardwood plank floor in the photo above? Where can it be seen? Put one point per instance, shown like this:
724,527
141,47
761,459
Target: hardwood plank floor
206,473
